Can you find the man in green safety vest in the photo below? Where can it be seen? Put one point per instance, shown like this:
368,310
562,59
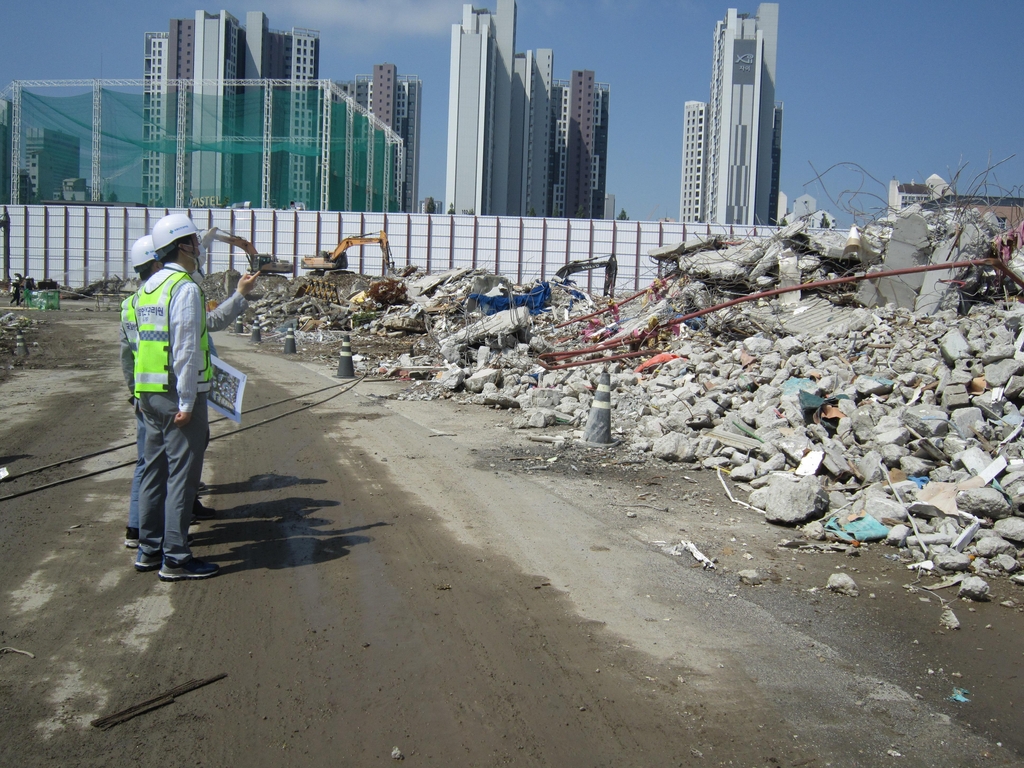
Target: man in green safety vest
172,377
144,262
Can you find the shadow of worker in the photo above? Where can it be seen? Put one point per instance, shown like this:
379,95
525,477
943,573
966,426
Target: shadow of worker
279,534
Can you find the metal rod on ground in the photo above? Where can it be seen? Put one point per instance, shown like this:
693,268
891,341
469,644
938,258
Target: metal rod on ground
289,341
346,370
159,701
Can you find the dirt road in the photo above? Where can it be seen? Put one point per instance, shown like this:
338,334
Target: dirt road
412,575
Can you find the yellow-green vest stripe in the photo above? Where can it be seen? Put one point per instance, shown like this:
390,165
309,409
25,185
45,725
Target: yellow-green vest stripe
129,322
153,358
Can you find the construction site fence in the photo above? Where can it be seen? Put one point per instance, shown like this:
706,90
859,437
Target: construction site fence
77,245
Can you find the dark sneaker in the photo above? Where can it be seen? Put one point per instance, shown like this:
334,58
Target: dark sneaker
144,562
131,538
192,569
199,512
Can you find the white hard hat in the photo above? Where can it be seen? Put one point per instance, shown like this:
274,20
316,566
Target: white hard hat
169,230
143,252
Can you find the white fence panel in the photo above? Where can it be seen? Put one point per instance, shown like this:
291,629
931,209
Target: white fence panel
79,244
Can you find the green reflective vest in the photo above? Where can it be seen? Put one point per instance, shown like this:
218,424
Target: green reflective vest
130,323
153,370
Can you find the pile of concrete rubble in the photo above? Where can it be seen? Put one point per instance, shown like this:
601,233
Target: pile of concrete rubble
874,410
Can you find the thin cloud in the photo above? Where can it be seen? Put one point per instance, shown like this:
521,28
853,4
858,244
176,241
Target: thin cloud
396,18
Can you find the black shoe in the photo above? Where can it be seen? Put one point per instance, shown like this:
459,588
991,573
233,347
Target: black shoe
131,538
193,569
199,512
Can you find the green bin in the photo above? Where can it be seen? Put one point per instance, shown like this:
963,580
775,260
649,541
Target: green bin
44,300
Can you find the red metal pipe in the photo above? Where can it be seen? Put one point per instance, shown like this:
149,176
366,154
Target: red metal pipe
675,322
610,344
610,307
607,359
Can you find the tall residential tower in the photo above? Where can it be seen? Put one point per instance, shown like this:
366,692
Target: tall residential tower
209,50
517,139
394,99
743,141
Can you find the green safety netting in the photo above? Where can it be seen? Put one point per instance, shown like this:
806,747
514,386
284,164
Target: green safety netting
213,137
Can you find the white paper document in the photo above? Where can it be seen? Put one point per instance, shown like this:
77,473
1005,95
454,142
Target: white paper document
228,387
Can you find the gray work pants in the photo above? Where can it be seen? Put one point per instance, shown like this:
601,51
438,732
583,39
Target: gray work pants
174,461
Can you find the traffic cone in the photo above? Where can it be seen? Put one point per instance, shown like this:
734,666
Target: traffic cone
289,341
256,329
239,328
599,423
853,244
20,350
345,368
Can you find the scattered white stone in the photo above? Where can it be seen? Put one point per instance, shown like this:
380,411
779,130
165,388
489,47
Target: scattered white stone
843,584
974,588
948,619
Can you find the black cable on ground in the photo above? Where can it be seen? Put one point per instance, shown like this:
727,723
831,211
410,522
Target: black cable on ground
66,480
105,451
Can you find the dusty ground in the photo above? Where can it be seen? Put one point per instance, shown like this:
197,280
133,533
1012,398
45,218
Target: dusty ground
414,575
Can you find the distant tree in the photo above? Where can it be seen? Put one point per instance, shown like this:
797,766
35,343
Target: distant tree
784,222
580,213
825,223
112,197
532,211
623,216
556,212
431,206
451,208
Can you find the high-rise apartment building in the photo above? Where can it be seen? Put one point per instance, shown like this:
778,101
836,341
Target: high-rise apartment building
479,109
516,139
742,145
395,100
52,156
691,193
580,146
209,50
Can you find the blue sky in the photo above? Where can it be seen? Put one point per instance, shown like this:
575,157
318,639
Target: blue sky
902,88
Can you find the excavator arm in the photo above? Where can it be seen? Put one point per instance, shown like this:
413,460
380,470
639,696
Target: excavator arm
611,271
337,259
258,262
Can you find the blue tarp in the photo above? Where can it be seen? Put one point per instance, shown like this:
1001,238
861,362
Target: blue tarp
861,527
536,300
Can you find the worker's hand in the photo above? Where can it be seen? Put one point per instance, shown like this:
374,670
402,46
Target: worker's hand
182,418
246,283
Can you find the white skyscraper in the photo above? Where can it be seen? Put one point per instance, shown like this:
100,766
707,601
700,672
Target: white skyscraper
219,56
506,119
742,145
479,109
691,194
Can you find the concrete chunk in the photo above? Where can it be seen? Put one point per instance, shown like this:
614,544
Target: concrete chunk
953,346
791,501
926,420
1011,528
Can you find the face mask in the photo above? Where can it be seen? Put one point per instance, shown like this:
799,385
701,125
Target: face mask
198,258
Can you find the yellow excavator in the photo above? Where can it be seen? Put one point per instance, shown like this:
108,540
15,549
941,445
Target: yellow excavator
336,259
